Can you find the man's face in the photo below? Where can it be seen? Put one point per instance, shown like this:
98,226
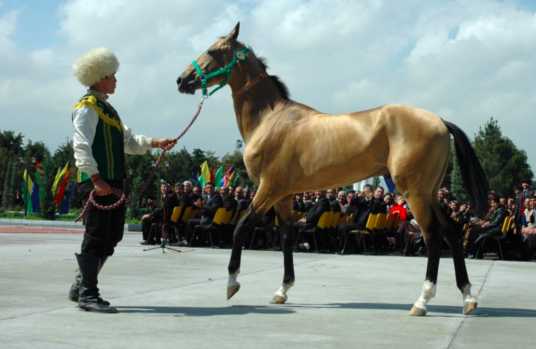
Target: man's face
231,190
224,191
525,185
453,206
388,199
441,195
197,191
209,189
306,196
494,205
247,193
532,203
239,192
378,194
163,189
187,188
503,201
517,191
319,194
330,194
342,198
179,190
350,196
106,85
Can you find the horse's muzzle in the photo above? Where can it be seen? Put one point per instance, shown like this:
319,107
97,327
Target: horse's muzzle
186,84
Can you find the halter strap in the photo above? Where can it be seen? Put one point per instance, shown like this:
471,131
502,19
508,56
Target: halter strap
238,56
250,84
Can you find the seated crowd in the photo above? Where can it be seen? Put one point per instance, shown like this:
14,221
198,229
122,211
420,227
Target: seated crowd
509,229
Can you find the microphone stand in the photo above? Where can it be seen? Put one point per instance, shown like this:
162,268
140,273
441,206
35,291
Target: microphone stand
163,244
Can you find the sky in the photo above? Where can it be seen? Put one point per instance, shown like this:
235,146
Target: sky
466,61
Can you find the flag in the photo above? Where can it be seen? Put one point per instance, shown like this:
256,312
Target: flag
38,169
61,191
230,171
38,177
205,172
27,185
225,179
217,177
59,176
65,206
35,196
230,178
236,179
201,181
212,175
194,179
390,184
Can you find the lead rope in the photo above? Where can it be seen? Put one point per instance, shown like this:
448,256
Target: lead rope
119,193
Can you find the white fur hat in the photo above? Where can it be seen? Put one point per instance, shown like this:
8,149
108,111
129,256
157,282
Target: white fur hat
95,66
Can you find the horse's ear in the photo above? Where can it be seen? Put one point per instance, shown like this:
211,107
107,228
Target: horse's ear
233,35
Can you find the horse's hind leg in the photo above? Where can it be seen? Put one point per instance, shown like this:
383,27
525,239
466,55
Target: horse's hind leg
261,203
454,237
284,215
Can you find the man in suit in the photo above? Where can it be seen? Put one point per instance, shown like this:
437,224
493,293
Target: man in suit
207,211
365,204
310,221
184,201
161,216
333,201
229,201
307,202
241,200
297,203
493,228
188,189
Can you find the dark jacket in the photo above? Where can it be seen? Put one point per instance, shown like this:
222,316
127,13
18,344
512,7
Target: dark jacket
314,214
307,205
335,206
364,208
184,201
169,202
298,206
520,200
230,203
494,228
242,204
209,208
193,197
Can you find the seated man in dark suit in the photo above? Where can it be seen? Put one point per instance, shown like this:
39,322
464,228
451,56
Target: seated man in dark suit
241,200
333,201
310,220
364,204
184,201
297,203
188,189
160,216
207,211
307,202
229,201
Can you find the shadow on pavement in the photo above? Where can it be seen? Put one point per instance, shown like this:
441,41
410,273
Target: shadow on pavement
208,311
432,309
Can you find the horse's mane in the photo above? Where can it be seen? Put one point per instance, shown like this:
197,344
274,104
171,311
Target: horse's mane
281,86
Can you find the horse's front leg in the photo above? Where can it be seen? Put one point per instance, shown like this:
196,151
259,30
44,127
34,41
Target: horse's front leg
258,208
284,215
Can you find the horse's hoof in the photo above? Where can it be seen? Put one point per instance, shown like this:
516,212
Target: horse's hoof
232,289
278,299
416,311
469,307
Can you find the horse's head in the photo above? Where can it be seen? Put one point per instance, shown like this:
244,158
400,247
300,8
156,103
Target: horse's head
219,55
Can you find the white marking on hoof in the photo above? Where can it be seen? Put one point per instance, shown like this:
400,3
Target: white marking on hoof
416,311
428,292
232,285
469,302
280,296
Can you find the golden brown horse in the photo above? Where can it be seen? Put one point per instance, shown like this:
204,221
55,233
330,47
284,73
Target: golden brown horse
293,148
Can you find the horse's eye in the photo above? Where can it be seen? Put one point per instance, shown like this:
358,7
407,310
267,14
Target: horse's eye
211,53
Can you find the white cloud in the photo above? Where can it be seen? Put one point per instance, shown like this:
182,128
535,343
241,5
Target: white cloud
466,61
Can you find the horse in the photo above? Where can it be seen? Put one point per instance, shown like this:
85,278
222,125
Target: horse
293,148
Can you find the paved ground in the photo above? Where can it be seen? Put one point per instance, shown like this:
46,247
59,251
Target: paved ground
178,300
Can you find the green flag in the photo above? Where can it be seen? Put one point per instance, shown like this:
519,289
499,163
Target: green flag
217,177
27,185
201,181
236,179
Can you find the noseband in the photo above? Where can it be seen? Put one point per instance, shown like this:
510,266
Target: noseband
239,55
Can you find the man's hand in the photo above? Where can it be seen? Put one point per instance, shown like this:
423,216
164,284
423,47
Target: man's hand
198,203
145,216
163,143
101,186
302,220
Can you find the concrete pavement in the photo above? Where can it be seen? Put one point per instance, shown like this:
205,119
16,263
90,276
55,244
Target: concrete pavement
178,300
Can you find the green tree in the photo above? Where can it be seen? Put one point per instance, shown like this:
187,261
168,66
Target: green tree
134,211
457,187
504,164
7,201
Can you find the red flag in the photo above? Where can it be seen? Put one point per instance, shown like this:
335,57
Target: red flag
212,175
38,169
61,191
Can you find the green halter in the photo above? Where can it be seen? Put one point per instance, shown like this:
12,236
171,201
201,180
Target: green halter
238,55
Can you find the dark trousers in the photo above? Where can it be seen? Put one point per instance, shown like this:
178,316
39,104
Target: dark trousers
146,226
191,227
104,229
472,245
344,231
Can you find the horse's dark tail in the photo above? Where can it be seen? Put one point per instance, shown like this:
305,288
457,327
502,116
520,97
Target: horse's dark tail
474,178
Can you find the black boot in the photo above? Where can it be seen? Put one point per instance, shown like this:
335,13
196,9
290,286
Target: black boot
74,291
88,299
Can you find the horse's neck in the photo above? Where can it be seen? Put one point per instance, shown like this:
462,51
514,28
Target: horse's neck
253,105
